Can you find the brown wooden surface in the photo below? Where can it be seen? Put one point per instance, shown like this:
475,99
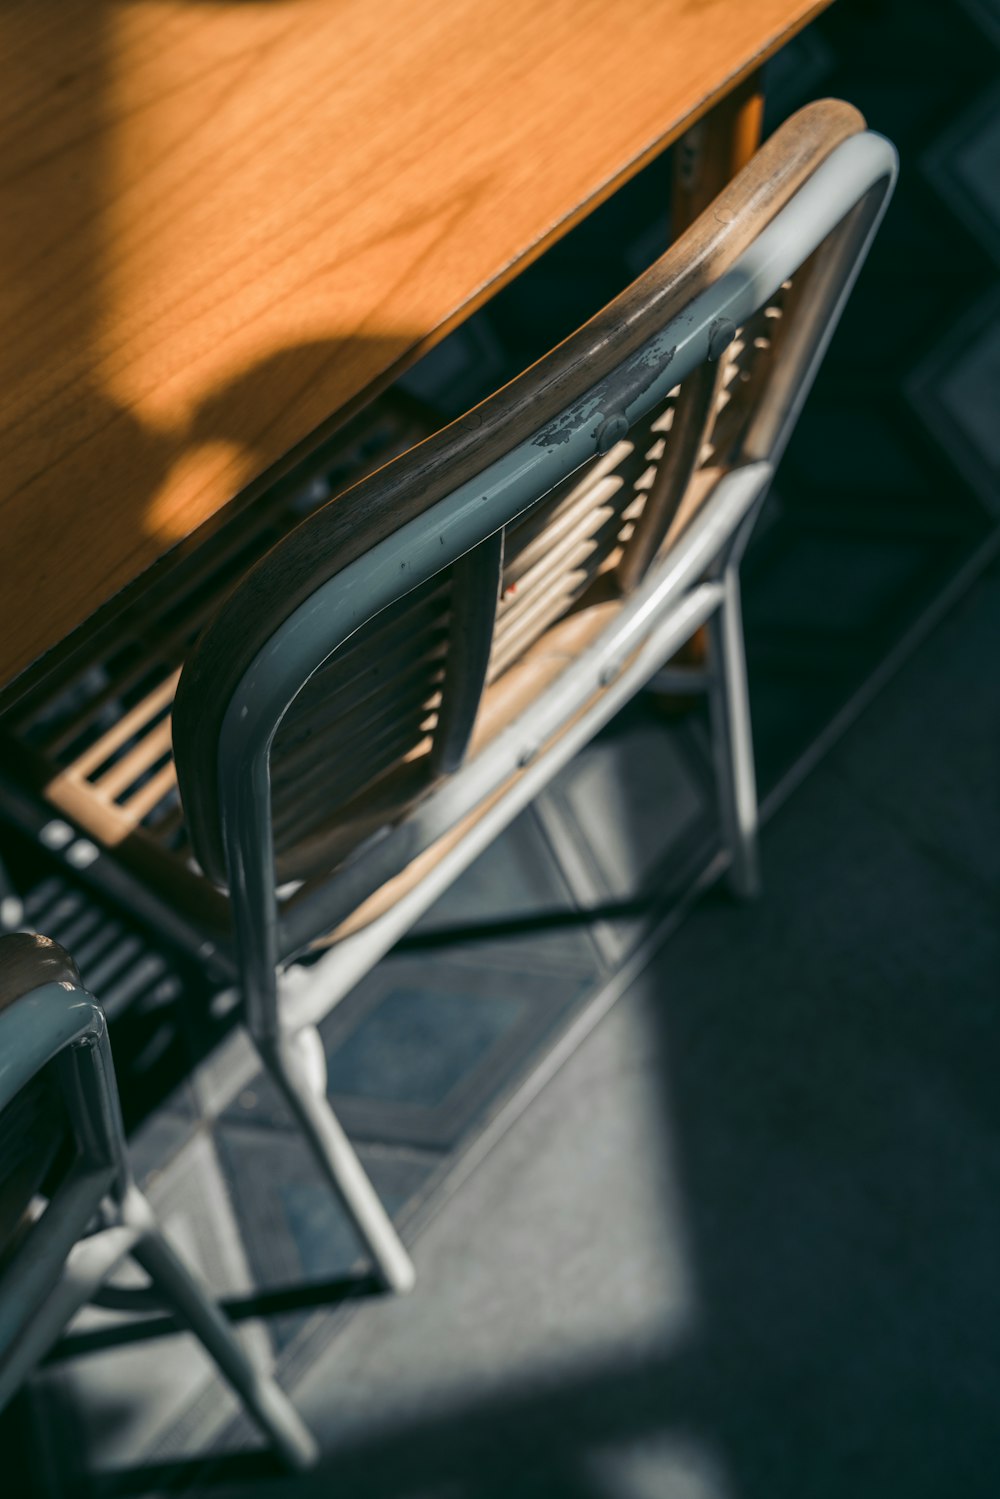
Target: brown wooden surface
224,222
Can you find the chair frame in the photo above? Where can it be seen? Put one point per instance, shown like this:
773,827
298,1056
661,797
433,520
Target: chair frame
838,207
841,204
97,1216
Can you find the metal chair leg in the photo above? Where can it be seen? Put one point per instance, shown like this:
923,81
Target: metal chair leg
732,743
182,1294
297,1065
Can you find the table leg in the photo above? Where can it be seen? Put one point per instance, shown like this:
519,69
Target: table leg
714,150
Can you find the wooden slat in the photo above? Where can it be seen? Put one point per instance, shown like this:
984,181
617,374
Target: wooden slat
563,554
153,791
569,538
554,584
320,797
477,579
330,839
367,710
424,614
348,715
502,703
126,728
566,500
350,734
126,771
560,537
545,610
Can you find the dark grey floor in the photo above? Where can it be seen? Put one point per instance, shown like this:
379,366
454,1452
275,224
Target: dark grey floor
746,1244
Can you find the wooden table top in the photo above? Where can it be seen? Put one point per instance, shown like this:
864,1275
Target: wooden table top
225,221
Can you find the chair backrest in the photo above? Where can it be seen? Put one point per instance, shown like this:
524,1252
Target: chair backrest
60,1131
345,674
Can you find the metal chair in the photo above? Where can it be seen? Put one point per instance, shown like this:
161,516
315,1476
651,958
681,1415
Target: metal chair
70,1212
390,685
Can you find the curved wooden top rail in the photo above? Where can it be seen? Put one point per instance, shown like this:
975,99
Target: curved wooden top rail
353,522
29,961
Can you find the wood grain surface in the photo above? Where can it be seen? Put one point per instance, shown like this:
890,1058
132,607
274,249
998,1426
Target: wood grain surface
226,221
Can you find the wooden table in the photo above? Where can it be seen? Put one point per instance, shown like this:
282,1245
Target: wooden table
226,222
